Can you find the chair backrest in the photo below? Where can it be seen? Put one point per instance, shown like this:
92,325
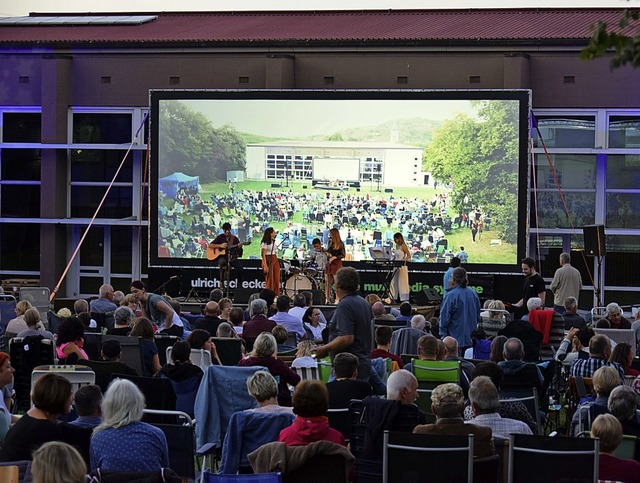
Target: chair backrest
570,459
39,298
579,387
131,353
248,431
77,375
104,371
24,470
324,368
104,320
340,420
431,374
78,437
93,345
7,309
164,343
307,372
198,357
158,394
319,469
407,457
229,350
556,335
528,397
9,474
180,439
26,354
223,391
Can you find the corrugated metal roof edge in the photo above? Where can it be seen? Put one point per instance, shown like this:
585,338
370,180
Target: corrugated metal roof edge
345,11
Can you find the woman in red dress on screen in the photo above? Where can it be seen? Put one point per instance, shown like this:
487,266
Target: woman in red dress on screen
270,263
335,252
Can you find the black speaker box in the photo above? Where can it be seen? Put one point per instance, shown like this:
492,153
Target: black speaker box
241,295
428,296
594,245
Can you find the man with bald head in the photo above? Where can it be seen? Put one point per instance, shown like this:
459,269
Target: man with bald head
105,303
466,367
379,312
211,319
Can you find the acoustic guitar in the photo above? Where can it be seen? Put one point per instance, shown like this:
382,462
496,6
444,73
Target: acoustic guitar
214,253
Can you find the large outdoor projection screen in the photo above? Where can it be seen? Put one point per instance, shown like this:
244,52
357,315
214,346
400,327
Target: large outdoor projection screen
447,169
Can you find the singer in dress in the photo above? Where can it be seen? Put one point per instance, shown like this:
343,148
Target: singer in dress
336,253
400,282
270,263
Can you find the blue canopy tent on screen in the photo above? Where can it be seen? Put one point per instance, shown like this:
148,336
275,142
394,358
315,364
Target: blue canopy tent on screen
170,185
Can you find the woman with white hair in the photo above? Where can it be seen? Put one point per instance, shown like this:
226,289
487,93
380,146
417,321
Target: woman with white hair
122,321
264,353
122,442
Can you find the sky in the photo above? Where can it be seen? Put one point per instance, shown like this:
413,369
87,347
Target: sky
24,7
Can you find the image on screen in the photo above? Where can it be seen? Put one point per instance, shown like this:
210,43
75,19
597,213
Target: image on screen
447,169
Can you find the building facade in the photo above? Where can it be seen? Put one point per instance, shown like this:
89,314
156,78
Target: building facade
75,93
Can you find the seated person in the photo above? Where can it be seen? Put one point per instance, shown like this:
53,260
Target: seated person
570,316
493,320
51,397
34,325
575,345
151,361
406,312
610,468
264,389
87,402
345,386
185,377
623,405
615,318
310,404
56,461
623,355
70,341
530,337
304,357
122,320
201,339
122,442
18,324
485,404
599,352
282,335
508,409
447,404
427,350
264,354
516,373
605,380
379,312
383,344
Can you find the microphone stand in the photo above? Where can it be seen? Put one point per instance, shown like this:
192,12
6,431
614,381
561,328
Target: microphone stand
165,284
278,246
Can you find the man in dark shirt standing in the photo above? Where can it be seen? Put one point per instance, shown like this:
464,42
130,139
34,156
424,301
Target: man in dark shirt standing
533,286
350,327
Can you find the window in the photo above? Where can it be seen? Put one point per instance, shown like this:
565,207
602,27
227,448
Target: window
624,132
102,128
566,131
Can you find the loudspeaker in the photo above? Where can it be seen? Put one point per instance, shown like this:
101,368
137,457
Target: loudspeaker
428,296
241,295
594,245
318,297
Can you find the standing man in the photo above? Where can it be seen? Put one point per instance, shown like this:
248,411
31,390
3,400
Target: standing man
460,310
446,281
227,249
533,286
350,327
567,282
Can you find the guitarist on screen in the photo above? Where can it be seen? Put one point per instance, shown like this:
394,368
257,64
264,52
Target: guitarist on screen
226,249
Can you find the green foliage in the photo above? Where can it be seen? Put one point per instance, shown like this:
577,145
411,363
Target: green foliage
189,143
627,47
479,158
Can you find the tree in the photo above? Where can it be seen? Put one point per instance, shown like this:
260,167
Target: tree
627,47
479,157
189,143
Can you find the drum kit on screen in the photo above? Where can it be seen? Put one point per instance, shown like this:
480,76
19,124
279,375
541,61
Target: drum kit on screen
301,275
